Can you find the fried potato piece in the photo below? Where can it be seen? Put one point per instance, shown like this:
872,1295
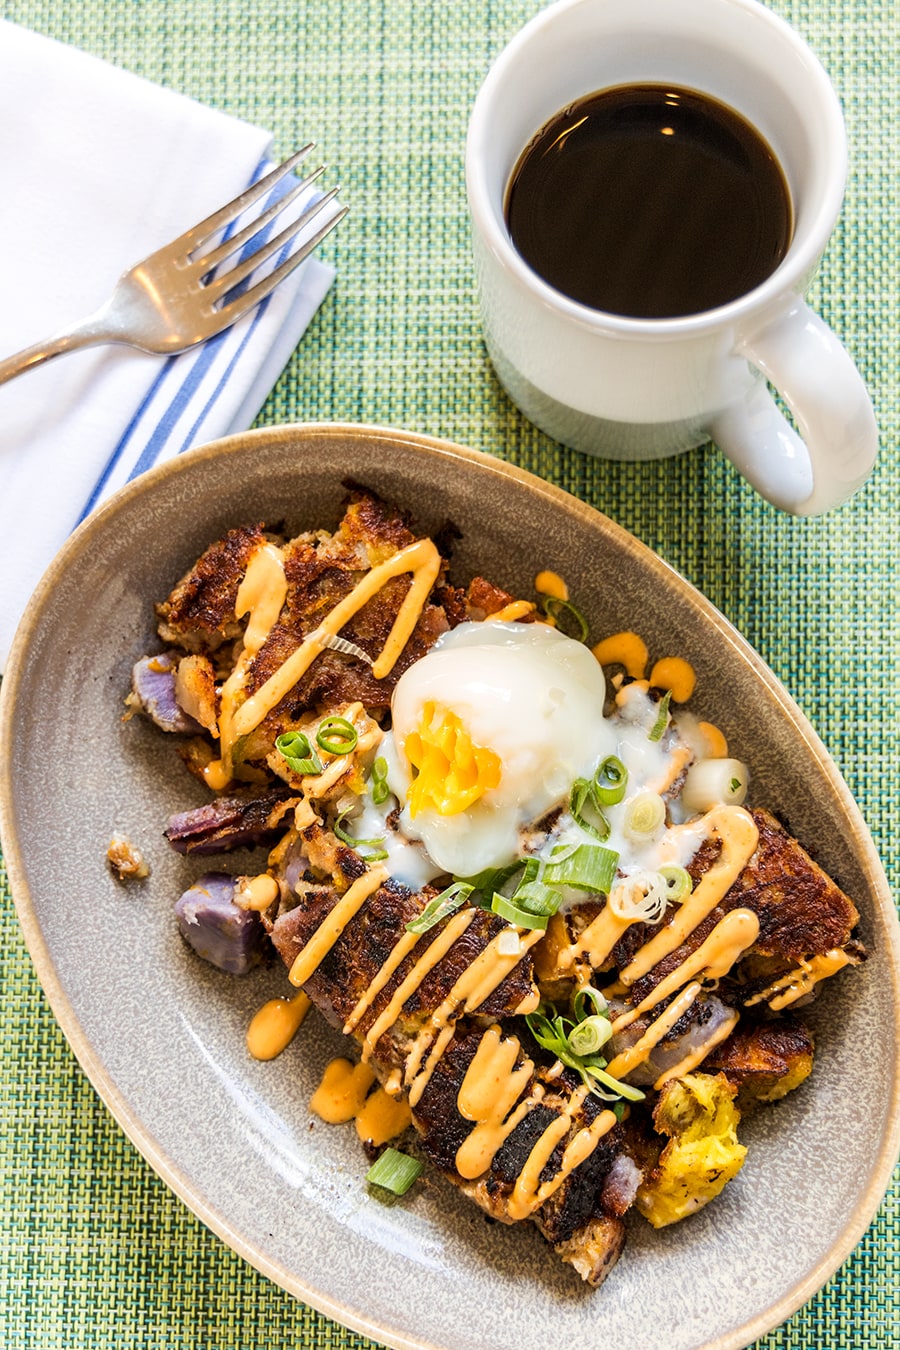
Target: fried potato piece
698,1114
199,614
767,1061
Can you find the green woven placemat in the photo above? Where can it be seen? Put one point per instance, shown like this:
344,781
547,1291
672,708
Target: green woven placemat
95,1252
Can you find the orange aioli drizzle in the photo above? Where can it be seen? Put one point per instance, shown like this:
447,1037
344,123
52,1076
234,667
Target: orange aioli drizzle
796,983
261,594
678,759
490,1089
477,982
697,1056
597,940
676,675
529,1193
493,1084
342,1091
275,1025
552,584
516,609
398,955
258,893
624,649
435,950
421,558
739,836
345,1093
629,1059
382,1117
737,931
328,932
717,746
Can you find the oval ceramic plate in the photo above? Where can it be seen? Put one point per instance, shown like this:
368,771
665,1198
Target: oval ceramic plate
161,1035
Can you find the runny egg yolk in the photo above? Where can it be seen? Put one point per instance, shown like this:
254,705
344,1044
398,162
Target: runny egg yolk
450,771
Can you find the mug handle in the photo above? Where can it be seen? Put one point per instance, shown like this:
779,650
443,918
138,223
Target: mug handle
815,471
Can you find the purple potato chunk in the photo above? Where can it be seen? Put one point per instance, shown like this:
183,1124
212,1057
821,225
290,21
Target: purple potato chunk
238,821
153,689
230,938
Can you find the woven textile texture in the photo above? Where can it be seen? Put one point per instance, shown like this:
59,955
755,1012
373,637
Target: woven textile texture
95,1252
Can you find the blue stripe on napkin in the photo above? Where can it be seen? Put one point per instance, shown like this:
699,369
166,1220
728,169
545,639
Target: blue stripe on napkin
188,372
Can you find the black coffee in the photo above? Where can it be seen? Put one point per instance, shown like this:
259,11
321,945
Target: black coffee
650,201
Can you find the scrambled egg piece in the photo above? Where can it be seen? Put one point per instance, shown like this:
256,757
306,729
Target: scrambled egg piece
698,1114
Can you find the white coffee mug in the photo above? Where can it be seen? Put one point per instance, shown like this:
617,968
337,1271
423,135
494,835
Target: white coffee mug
627,388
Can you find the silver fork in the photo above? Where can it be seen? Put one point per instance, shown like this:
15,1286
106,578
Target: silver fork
177,297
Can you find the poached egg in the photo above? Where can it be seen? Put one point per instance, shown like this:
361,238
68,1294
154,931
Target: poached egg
490,730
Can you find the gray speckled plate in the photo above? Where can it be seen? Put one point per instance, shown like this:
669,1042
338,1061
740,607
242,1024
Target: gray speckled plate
162,1036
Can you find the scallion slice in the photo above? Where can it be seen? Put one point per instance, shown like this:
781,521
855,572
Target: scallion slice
554,607
590,1035
576,1044
610,781
645,816
537,898
395,1171
591,867
337,736
640,897
585,809
615,1085
662,717
339,644
678,882
588,994
380,789
295,749
440,906
513,912
490,880
377,854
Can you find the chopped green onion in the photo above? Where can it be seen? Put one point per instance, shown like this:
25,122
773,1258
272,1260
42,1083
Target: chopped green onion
588,994
591,867
395,1171
736,784
662,717
514,913
640,897
295,749
337,736
590,1035
678,882
554,607
339,644
560,852
377,854
537,898
564,1040
549,1035
631,1094
610,781
491,879
449,900
645,816
380,789
583,796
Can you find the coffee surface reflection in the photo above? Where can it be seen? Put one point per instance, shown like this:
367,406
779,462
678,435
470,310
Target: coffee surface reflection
650,201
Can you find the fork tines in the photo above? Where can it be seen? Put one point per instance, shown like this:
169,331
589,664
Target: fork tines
221,288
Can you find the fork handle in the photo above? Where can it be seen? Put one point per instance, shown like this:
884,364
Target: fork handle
91,332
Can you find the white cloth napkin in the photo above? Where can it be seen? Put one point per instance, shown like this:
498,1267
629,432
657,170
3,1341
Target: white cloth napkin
99,168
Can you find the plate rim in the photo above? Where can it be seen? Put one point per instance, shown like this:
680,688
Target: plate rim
879,1177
